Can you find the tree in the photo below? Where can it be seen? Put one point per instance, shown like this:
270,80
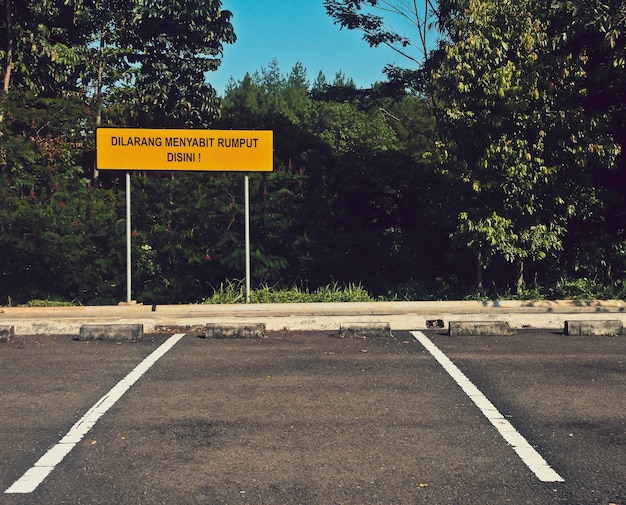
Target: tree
172,45
595,31
59,233
43,44
517,137
58,56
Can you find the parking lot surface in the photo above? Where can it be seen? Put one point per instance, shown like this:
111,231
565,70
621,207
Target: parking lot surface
310,418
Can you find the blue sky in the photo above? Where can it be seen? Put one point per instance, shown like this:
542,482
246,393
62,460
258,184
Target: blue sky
297,30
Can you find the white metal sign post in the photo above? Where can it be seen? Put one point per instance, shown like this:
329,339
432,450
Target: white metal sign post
247,232
144,149
128,242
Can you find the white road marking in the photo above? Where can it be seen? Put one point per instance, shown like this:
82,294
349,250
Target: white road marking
28,482
531,458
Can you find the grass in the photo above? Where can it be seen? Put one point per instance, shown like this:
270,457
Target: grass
234,292
47,303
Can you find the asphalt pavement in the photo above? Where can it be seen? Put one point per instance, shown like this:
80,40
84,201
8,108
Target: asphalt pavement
307,417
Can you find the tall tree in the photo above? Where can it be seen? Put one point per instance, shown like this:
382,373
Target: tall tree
515,132
595,31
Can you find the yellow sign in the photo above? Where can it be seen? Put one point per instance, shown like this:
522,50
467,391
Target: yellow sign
214,150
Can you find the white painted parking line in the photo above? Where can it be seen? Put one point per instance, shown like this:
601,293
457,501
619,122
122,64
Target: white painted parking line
531,458
28,482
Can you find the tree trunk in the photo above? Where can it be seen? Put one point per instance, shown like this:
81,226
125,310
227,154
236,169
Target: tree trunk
480,268
8,65
519,276
7,76
96,173
9,48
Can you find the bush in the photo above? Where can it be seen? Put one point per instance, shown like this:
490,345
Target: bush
584,289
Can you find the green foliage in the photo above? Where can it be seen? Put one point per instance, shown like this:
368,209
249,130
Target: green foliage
57,231
585,289
510,163
228,292
174,44
525,171
343,201
43,46
48,303
63,234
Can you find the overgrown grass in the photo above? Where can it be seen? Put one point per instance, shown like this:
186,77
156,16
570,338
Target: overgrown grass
235,292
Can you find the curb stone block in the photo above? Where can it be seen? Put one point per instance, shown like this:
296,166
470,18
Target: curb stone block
609,328
115,332
7,333
195,329
234,330
478,328
372,330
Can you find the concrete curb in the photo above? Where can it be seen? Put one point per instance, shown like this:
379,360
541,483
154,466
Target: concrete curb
478,328
313,316
242,330
116,332
609,328
370,330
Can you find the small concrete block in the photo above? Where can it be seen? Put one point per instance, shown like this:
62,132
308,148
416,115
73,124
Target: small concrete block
608,328
478,328
194,329
116,332
371,330
7,333
234,330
